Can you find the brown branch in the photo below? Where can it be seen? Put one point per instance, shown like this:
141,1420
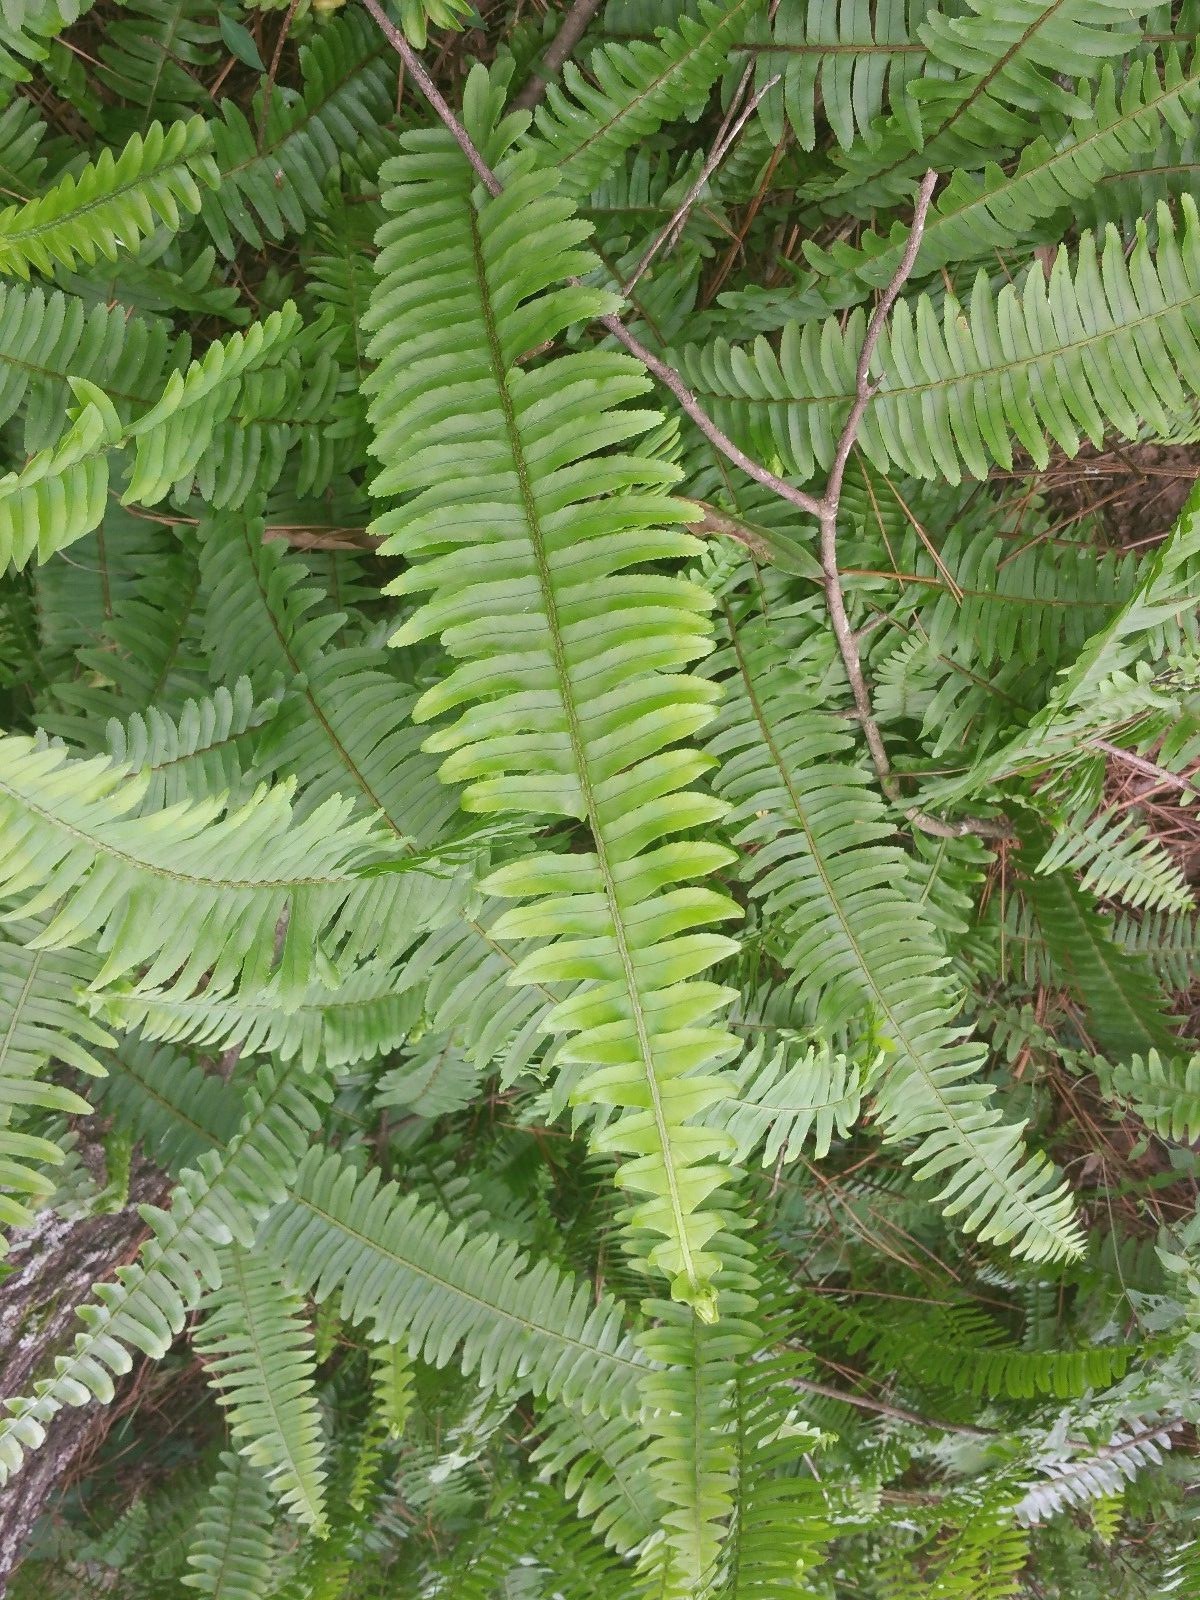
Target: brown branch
883,1409
1148,769
722,145
825,510
574,26
666,375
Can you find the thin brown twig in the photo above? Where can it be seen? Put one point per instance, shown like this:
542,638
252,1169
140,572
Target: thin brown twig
722,145
825,509
574,25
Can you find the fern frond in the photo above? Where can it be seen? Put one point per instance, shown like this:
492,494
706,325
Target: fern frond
392,1385
153,53
994,75
207,750
1110,342
217,1201
1075,1482
1124,1006
812,833
256,1345
788,1096
1119,860
558,715
372,1010
113,203
418,1276
1164,1092
978,213
181,894
588,123
600,1464
848,58
231,1551
40,1020
272,186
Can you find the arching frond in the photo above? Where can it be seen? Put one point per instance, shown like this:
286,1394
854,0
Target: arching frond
417,1276
812,836
113,204
1165,1093
1108,342
218,1200
586,126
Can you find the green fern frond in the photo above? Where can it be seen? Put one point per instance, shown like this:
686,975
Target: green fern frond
1164,1092
218,1200
558,715
113,203
1119,860
978,213
152,54
207,750
1125,1010
847,60
785,1096
1110,342
256,1345
599,1463
271,186
392,1385
231,1551
811,833
418,1276
372,1010
40,1020
588,123
994,75
181,894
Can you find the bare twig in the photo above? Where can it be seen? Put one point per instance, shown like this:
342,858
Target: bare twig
659,369
1148,769
843,632
722,145
574,26
824,510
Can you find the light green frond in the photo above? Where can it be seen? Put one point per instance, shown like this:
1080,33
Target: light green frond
434,1078
787,1095
588,123
371,1011
207,750
418,1276
569,696
1108,342
183,893
256,1345
392,1385
231,1551
113,203
1117,860
1163,1091
1076,1480
41,1020
599,1462
219,1200
691,1449
852,938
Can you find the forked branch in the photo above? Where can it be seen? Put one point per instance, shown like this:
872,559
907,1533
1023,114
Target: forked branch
823,510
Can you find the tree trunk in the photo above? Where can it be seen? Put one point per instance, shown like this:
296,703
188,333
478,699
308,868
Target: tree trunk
52,1266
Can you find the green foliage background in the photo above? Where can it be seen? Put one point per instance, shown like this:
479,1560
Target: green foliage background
624,1142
